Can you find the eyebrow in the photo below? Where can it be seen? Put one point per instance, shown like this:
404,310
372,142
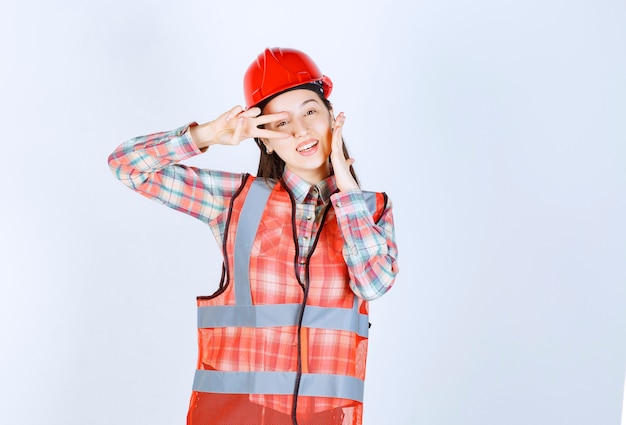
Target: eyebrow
308,100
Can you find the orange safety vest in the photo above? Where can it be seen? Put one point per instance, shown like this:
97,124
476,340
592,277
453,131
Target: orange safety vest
272,349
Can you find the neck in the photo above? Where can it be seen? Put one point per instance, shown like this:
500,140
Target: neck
312,176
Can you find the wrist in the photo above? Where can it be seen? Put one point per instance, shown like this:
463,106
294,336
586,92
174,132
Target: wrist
203,135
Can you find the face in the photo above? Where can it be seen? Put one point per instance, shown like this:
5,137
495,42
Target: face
307,149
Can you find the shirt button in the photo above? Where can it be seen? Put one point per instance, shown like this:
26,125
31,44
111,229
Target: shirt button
309,217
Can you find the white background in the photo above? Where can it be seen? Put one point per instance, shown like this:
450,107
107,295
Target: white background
498,129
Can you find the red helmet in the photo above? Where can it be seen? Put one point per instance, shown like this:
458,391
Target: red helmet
276,70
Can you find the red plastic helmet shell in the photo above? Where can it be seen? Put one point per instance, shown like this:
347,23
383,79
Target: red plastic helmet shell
278,69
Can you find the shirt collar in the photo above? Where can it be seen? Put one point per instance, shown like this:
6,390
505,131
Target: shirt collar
306,192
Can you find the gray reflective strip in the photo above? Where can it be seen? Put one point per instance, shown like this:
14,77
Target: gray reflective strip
337,318
323,385
258,316
261,316
316,385
247,226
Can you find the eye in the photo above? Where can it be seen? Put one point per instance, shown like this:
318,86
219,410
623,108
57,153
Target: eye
281,124
310,112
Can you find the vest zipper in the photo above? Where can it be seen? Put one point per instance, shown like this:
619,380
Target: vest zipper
305,288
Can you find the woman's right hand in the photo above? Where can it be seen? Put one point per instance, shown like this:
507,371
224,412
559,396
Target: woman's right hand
234,126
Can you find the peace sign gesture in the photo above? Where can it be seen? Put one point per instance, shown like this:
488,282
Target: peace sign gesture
234,126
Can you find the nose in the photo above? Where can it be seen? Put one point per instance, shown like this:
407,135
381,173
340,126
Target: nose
300,127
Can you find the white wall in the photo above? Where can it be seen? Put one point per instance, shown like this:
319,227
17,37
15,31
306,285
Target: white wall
498,128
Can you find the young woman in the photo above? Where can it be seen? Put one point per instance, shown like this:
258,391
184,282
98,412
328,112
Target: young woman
284,338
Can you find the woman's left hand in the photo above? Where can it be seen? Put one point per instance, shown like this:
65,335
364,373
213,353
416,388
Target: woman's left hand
341,165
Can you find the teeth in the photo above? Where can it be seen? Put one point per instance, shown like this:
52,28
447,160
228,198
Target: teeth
307,146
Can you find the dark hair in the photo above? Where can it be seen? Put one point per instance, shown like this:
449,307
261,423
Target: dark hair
271,166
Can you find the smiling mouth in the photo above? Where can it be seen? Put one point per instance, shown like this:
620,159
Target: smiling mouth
306,146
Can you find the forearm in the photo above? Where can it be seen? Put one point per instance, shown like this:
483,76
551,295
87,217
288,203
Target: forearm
138,160
150,166
370,249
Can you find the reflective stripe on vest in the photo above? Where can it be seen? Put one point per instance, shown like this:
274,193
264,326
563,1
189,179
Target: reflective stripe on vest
261,316
311,384
253,208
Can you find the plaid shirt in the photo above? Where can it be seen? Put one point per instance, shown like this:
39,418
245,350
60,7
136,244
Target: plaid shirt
151,166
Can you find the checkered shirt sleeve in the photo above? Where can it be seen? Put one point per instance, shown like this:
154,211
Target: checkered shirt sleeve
150,165
370,249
